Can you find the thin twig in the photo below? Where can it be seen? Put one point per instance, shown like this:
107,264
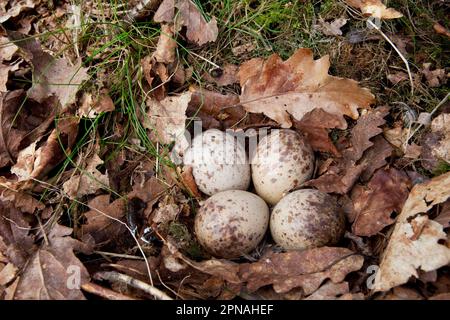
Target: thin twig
399,53
106,293
120,277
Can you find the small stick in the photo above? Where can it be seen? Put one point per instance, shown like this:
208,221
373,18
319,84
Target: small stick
399,53
104,292
120,277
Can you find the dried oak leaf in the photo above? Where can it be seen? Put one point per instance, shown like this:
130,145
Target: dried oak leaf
165,49
23,121
314,126
54,272
298,85
197,29
375,157
218,110
435,144
341,176
50,76
166,119
332,28
35,163
15,234
374,8
223,76
435,78
88,181
92,107
306,269
11,9
104,220
373,205
414,243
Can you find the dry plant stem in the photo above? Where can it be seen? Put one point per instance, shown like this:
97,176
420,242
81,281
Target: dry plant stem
106,293
120,277
399,53
118,255
431,113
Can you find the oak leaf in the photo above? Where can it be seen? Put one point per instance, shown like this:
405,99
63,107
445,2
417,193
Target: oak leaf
198,30
374,8
373,205
49,274
415,241
294,87
306,269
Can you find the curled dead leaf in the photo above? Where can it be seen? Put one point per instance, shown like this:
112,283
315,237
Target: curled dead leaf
374,8
414,243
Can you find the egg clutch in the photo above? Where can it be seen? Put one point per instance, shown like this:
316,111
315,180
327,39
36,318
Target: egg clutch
233,221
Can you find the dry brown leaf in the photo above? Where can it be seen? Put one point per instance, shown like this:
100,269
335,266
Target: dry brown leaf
8,274
436,143
102,224
7,49
298,85
91,109
198,30
223,76
306,269
397,77
435,78
50,76
88,181
189,181
53,270
23,121
335,291
375,157
414,243
440,29
332,28
340,177
166,119
403,293
374,8
165,49
373,205
32,163
314,126
444,215
13,8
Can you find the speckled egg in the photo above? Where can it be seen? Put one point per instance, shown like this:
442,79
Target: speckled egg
231,223
219,162
283,160
307,218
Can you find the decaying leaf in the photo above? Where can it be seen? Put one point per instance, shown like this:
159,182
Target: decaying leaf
7,49
104,220
47,275
340,177
165,49
374,8
414,243
166,119
306,269
435,78
88,181
298,85
332,28
92,107
373,205
440,29
335,291
50,76
198,30
32,163
23,121
223,76
436,143
13,8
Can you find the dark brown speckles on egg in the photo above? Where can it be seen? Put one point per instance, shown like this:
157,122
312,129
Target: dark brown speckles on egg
291,161
230,229
306,219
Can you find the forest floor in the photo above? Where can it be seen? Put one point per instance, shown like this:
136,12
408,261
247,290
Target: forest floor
95,97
